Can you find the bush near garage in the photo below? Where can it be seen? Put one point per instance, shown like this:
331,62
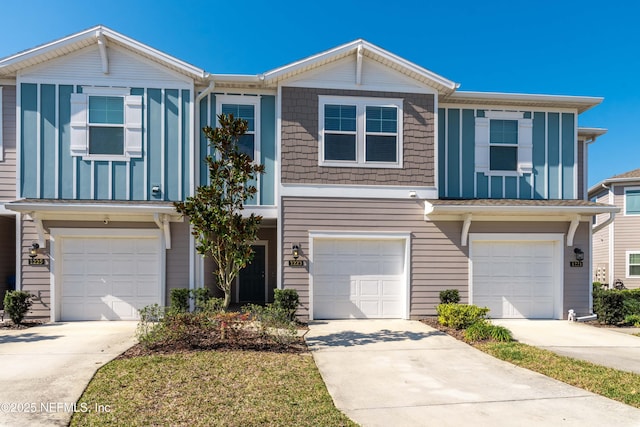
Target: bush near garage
460,316
16,305
449,296
613,306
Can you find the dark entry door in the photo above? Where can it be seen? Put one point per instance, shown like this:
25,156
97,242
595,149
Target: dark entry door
252,277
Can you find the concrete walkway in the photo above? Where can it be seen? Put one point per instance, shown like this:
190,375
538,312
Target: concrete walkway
603,346
404,373
45,369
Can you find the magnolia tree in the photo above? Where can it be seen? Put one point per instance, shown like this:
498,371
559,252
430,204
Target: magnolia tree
215,211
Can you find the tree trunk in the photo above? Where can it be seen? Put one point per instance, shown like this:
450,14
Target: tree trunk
227,298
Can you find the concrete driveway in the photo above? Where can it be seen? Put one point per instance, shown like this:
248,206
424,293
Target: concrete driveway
404,373
45,369
603,346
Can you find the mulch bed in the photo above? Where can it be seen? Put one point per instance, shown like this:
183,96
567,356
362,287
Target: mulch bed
199,340
8,324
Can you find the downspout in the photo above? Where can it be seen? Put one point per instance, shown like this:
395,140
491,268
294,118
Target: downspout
599,227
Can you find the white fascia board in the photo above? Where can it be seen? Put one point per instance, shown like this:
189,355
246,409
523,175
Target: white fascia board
103,208
236,78
602,185
591,134
434,210
585,102
358,191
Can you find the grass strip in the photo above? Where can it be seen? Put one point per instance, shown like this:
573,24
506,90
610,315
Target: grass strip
210,388
614,384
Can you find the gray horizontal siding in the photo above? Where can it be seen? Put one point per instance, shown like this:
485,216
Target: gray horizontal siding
8,165
438,261
626,238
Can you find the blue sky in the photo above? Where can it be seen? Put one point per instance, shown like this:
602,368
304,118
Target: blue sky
545,46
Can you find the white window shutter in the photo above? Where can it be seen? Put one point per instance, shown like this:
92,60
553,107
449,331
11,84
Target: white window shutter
133,125
525,145
482,144
79,127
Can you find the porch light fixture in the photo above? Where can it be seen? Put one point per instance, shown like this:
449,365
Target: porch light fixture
579,254
33,252
295,251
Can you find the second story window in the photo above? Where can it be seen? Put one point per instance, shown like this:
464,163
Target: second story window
106,125
248,108
503,145
632,201
247,142
360,132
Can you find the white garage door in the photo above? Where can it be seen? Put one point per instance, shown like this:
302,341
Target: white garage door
358,278
516,279
108,278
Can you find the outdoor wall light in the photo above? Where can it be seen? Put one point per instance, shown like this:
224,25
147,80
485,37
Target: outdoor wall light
295,251
579,254
33,252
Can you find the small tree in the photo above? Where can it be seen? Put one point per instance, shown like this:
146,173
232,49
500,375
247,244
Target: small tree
215,211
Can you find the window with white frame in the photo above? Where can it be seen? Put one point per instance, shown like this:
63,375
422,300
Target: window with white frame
363,132
633,264
504,143
244,107
632,201
106,124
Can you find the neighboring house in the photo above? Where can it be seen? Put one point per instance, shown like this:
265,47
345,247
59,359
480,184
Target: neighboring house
390,184
616,242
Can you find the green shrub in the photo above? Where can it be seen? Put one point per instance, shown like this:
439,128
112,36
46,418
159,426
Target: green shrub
149,329
609,306
286,300
632,320
460,316
200,297
180,300
211,305
17,304
449,296
500,333
272,322
479,331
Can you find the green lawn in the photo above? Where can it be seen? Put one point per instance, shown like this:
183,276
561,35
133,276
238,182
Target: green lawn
210,388
617,385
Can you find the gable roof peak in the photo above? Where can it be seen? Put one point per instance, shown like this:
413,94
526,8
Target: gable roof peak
10,65
361,47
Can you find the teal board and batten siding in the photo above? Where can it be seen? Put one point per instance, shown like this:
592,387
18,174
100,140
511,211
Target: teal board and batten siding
47,169
553,157
208,117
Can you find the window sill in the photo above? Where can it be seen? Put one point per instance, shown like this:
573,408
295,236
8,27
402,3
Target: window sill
105,158
371,165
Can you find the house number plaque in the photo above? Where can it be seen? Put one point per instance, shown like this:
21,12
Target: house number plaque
576,263
296,263
37,261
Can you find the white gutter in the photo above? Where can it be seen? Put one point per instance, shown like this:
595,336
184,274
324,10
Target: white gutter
91,208
205,92
520,209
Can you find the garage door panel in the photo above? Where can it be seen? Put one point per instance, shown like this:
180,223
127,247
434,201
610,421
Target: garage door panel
515,278
369,270
369,288
108,278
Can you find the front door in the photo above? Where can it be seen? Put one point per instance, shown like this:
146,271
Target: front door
252,277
